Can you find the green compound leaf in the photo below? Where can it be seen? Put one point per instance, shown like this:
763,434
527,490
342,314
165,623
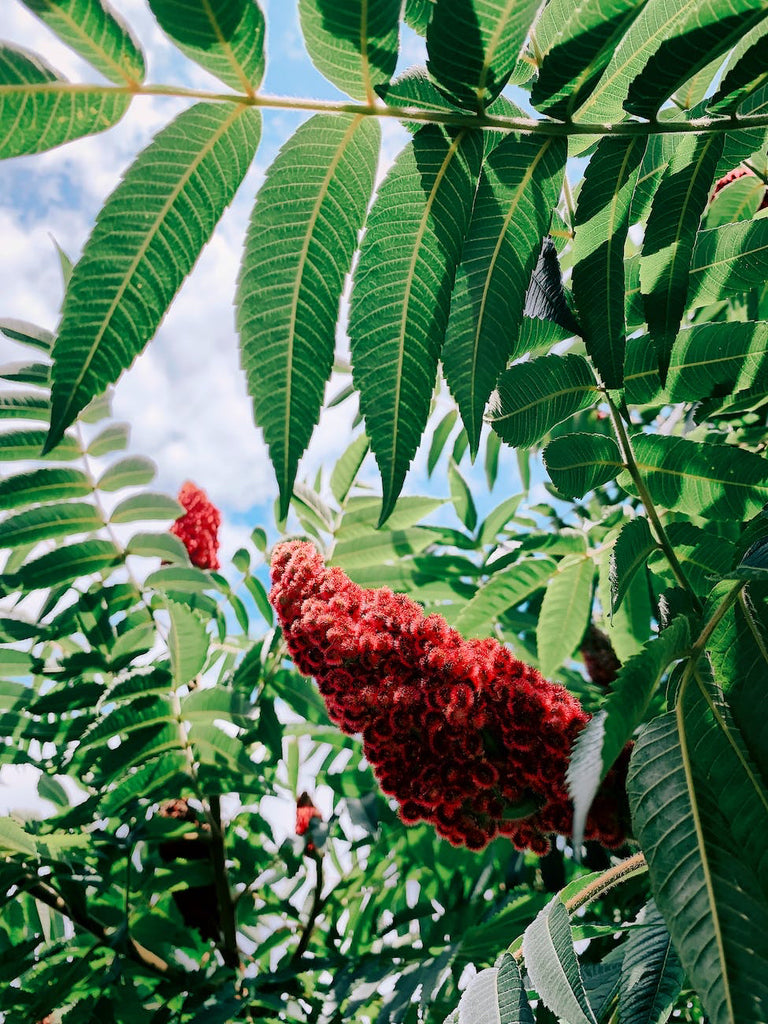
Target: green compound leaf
37,524
535,396
600,742
578,463
40,485
492,33
402,288
601,223
651,972
550,960
700,814
565,612
504,590
143,246
496,995
670,236
94,31
632,548
69,563
717,359
519,186
578,41
299,247
226,37
187,643
39,109
717,481
745,74
352,42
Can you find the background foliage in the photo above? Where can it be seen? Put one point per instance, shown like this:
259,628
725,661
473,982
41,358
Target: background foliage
133,680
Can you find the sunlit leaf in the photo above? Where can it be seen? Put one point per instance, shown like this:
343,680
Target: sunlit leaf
37,524
505,589
651,973
352,42
187,643
40,109
119,293
564,613
518,189
225,36
146,506
97,33
133,471
535,396
69,563
577,463
402,289
717,359
301,239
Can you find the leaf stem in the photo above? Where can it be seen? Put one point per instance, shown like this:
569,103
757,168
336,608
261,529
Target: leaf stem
628,455
221,881
457,119
314,912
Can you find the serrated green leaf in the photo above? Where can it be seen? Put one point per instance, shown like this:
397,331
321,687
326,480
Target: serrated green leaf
498,518
535,396
119,293
745,74
550,960
346,469
492,33
14,840
41,485
372,547
564,613
133,471
702,827
42,110
727,261
27,333
461,496
94,31
146,506
187,643
717,359
505,589
578,463
300,243
439,438
256,589
633,546
739,200
352,42
24,406
147,781
27,373
651,972
69,563
401,291
37,524
670,236
519,187
226,37
28,444
113,438
601,223
602,740
414,88
578,41
718,481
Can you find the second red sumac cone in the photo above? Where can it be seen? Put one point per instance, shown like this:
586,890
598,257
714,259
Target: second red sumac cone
460,732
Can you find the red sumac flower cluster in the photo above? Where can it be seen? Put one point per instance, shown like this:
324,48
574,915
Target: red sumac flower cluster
460,732
198,528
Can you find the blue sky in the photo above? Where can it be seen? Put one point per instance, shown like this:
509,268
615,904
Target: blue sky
185,396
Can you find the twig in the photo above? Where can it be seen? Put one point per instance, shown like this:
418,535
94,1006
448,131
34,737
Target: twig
317,905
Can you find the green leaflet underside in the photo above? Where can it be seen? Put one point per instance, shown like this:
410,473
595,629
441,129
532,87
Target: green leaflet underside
352,42
226,37
402,288
39,109
144,244
301,239
492,33
519,186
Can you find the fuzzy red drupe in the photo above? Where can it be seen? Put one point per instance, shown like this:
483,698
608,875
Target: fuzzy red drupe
198,528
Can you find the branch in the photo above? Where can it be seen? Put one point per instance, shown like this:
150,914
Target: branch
223,895
317,905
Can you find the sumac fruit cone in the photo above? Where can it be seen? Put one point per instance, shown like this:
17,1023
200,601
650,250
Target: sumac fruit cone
600,659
